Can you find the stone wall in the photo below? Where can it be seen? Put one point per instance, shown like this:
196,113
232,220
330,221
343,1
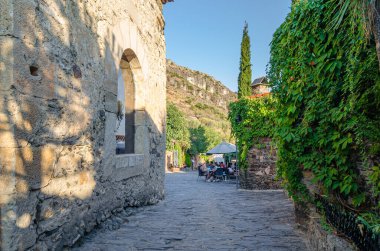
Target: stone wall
317,238
59,63
261,169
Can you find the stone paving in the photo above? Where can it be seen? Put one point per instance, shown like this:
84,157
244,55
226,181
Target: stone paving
198,215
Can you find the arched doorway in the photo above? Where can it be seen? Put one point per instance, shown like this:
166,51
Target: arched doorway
129,76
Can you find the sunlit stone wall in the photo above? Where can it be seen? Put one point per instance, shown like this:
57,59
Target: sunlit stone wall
59,63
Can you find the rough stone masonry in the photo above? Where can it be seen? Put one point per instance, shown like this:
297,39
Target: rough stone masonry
59,66
261,170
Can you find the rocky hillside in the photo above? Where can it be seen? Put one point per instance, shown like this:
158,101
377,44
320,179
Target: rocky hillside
201,98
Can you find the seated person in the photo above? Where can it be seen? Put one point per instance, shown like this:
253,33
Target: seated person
230,170
210,166
212,169
203,168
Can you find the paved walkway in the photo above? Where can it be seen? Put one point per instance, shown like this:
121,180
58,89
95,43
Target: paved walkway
198,215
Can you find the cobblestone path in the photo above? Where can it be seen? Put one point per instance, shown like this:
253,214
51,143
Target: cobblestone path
198,215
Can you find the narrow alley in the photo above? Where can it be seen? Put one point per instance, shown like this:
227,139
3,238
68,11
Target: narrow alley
197,215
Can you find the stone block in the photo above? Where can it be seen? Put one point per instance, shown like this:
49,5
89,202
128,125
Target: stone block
39,81
110,102
132,161
140,118
140,160
53,214
121,174
76,186
37,165
109,144
17,218
6,62
128,165
110,85
67,164
7,136
142,144
30,167
122,161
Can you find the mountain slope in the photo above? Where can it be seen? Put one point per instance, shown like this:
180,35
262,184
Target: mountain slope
202,99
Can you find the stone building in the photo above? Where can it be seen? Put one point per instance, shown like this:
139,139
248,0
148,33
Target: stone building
60,62
260,86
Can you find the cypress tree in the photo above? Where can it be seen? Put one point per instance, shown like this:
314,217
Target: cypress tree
245,75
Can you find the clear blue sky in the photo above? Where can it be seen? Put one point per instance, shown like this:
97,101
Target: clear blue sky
205,35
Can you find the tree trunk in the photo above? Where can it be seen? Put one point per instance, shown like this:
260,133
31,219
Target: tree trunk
196,161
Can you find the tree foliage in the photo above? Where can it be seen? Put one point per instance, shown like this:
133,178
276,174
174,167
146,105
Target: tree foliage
187,139
327,85
203,139
251,119
177,132
245,75
370,15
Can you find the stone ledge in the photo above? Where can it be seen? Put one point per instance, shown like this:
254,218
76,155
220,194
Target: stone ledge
128,166
129,160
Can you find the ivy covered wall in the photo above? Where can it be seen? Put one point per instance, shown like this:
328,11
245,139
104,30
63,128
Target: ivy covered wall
251,120
324,111
326,81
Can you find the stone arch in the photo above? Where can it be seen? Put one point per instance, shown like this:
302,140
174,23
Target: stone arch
126,36
126,58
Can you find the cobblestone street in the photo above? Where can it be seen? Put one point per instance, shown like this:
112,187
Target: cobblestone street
198,215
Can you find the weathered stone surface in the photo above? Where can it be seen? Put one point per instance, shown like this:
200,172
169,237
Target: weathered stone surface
59,63
261,171
317,238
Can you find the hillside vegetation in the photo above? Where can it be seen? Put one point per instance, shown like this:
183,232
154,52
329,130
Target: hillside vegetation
202,99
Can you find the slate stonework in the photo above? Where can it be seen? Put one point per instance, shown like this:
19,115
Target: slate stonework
261,171
59,62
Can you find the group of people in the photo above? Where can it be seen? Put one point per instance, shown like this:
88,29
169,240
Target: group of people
210,169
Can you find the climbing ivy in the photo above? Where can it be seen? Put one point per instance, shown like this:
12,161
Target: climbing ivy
327,85
251,119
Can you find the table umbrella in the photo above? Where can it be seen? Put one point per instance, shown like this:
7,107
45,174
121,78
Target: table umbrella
222,148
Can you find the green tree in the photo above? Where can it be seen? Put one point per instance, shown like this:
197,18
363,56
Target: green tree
177,132
198,140
213,138
245,75
202,140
